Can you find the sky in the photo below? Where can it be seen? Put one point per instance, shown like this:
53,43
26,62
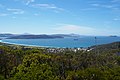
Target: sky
84,17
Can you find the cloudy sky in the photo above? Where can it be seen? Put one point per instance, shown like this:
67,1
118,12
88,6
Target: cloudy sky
85,17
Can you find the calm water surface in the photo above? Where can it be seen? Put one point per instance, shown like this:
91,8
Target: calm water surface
64,42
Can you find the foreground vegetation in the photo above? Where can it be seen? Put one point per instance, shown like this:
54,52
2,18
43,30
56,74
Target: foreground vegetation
34,63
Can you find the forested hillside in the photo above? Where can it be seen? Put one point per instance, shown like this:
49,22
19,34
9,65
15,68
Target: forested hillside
35,63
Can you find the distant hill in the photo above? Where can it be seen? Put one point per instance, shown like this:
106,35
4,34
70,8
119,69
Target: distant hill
106,47
113,36
35,37
42,36
6,35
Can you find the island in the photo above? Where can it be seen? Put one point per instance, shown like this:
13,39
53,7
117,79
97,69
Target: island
35,37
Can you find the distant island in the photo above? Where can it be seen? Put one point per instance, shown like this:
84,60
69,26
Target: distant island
6,35
35,37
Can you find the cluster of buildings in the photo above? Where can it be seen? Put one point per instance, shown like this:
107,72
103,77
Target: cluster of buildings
61,50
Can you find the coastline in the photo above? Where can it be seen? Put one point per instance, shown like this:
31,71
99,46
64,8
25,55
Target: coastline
61,49
47,48
23,44
82,45
9,43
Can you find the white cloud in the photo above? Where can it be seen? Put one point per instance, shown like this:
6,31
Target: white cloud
48,6
29,1
74,29
26,2
16,11
83,30
52,6
113,7
103,6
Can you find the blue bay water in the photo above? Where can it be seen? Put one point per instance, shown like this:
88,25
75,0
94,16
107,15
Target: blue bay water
70,42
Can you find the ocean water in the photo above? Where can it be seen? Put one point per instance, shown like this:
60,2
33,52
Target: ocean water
70,42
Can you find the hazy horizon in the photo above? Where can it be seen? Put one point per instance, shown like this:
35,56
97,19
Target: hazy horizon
83,17
57,34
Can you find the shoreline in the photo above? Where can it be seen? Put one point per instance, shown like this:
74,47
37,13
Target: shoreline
27,45
9,43
23,44
48,49
56,49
